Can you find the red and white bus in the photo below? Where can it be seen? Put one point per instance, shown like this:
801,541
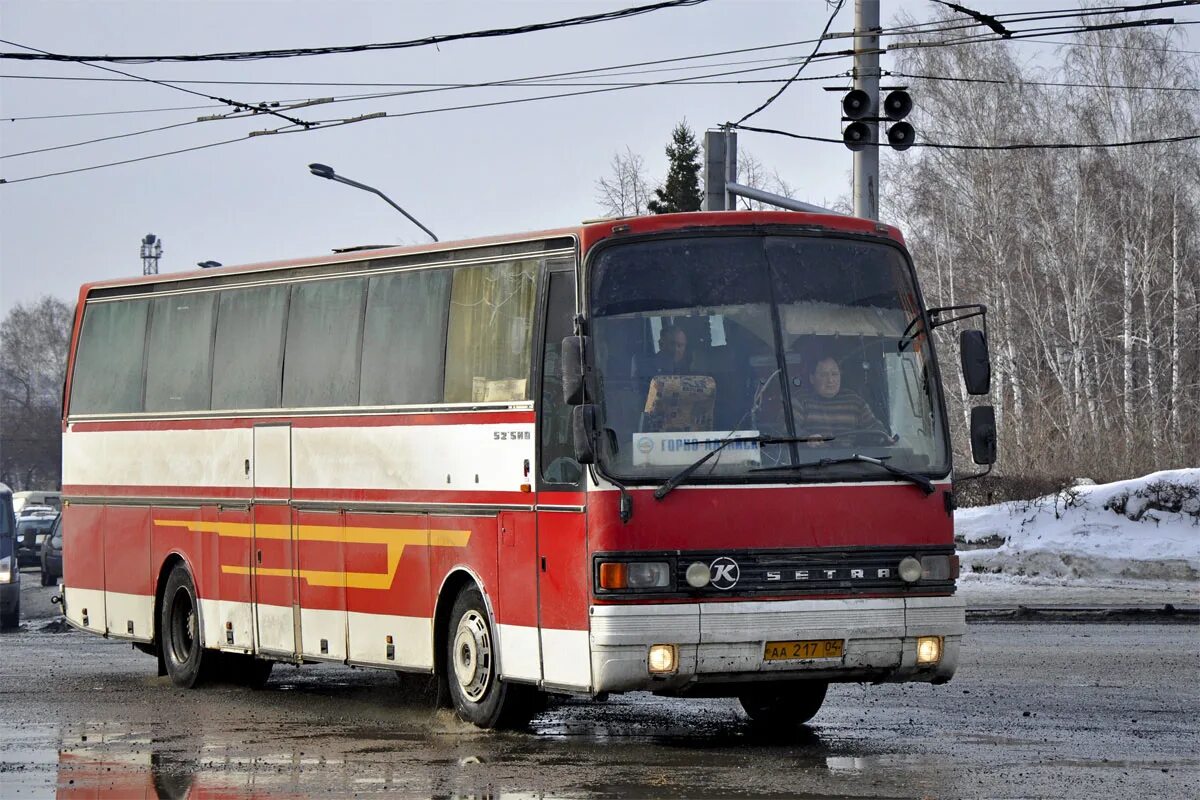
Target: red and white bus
582,461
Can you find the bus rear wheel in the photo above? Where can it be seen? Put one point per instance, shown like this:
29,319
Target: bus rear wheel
478,694
179,627
784,707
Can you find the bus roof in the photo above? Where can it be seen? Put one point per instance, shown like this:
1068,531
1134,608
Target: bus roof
588,234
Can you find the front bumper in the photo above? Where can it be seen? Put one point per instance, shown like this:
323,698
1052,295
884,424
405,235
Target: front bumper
722,644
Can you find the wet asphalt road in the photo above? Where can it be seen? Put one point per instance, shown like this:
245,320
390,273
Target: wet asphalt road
1046,710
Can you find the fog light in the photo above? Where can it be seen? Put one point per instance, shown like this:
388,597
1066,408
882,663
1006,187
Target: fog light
663,658
698,575
929,649
910,569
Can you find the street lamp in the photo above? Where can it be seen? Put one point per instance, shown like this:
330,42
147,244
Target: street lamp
323,171
208,264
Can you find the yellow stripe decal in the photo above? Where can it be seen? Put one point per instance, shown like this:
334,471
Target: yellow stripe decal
394,538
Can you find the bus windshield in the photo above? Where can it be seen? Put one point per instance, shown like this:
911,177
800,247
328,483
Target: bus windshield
704,338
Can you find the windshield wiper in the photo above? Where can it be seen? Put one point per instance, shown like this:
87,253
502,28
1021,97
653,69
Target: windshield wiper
905,338
857,458
681,476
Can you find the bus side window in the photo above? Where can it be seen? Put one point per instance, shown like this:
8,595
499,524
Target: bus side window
108,368
249,350
179,357
404,340
556,452
488,352
321,356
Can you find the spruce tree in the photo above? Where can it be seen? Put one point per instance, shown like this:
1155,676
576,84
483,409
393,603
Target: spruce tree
681,192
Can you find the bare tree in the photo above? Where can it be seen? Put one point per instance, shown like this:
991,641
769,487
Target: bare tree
1086,258
33,354
753,173
625,191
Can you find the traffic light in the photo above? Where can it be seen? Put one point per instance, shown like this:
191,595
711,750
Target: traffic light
857,109
896,106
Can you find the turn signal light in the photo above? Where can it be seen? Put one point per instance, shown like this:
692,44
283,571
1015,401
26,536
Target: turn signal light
613,575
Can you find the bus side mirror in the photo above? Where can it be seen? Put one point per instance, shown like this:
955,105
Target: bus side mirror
583,432
983,435
572,369
976,366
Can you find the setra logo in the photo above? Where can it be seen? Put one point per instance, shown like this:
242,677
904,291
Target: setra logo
724,573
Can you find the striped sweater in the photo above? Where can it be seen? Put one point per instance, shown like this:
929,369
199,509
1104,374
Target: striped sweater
830,416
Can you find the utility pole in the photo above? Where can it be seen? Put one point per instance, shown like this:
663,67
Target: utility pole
866,78
151,252
721,189
720,169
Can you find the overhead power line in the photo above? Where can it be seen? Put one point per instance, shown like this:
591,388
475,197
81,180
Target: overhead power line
103,113
816,47
101,139
1061,84
328,123
696,81
983,19
985,147
256,55
236,105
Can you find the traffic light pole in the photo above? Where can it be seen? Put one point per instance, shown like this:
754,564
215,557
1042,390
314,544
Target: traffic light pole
866,78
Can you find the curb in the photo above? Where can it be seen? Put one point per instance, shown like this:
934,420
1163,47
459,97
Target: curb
1159,615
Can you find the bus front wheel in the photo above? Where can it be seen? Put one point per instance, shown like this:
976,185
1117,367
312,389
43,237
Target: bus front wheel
179,627
784,707
478,694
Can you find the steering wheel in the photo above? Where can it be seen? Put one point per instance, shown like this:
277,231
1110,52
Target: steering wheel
771,393
869,437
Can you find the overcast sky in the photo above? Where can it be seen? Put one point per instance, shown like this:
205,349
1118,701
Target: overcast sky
463,173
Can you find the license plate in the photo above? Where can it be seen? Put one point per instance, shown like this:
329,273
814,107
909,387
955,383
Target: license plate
799,650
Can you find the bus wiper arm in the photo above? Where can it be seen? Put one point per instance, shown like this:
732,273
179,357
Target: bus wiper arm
910,333
857,458
674,481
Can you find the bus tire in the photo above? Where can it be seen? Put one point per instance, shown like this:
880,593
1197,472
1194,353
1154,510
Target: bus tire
478,695
188,665
787,707
11,620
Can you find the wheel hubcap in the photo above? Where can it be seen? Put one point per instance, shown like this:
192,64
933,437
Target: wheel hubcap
472,656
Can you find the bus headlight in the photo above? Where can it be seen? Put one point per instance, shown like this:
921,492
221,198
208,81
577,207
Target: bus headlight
634,575
910,569
6,570
939,568
929,649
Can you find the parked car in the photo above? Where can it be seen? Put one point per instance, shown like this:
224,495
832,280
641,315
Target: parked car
52,563
10,573
33,528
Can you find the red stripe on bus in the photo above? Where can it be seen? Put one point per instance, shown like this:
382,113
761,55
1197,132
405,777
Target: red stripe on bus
353,421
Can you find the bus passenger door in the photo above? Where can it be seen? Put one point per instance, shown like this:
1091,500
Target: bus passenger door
562,569
276,612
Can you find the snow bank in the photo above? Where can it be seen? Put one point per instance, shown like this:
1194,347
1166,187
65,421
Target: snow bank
1147,528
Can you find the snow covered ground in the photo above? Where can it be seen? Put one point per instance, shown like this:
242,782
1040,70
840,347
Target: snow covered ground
1134,542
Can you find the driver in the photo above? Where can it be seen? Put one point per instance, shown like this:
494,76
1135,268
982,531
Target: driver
828,410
